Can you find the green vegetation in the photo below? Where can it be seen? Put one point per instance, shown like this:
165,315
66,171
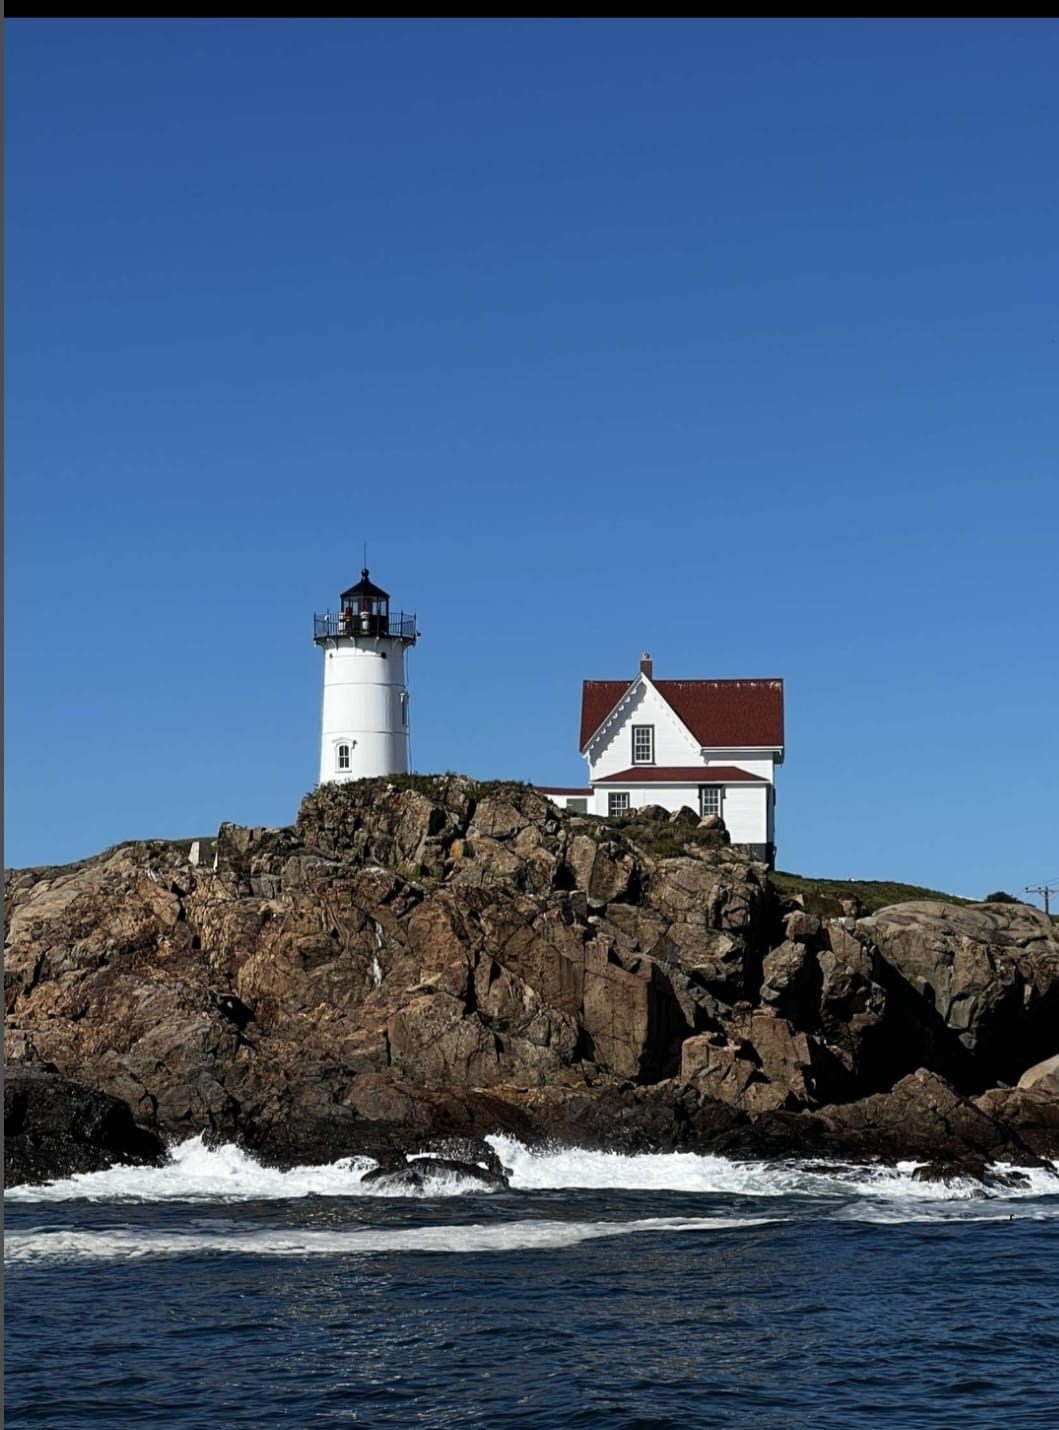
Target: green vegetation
429,785
433,786
823,896
662,840
489,787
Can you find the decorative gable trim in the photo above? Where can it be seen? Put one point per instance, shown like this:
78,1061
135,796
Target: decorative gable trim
633,686
612,745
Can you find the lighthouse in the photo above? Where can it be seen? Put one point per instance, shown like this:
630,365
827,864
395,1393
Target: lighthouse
365,716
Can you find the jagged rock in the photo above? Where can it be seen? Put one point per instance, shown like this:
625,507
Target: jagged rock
464,1149
820,904
1043,1077
602,871
1033,1111
715,958
431,1041
504,816
652,813
55,1128
418,1172
922,1116
853,1006
721,894
762,1066
21,1051
801,927
963,1167
791,983
628,1011
989,971
421,956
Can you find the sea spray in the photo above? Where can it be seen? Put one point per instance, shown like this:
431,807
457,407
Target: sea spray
196,1172
574,1168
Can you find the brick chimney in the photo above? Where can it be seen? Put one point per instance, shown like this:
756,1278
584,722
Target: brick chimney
647,665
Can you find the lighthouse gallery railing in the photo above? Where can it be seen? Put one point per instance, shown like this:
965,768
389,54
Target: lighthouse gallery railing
334,623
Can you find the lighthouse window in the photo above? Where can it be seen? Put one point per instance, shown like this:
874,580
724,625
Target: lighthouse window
343,757
404,709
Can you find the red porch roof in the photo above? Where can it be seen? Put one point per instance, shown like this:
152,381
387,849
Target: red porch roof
683,775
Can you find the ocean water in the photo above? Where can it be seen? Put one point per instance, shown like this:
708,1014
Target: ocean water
602,1291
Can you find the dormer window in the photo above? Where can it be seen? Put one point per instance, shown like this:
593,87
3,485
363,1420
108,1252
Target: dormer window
643,744
342,757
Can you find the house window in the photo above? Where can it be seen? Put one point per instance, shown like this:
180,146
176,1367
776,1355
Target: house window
643,744
577,806
618,803
342,759
709,799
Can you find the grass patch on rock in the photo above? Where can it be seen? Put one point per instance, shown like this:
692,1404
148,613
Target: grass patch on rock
824,896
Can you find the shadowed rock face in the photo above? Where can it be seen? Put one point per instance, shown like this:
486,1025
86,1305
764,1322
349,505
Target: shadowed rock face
446,957
56,1128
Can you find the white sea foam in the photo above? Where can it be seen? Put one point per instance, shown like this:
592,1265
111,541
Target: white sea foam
901,1213
121,1244
196,1172
199,1173
570,1168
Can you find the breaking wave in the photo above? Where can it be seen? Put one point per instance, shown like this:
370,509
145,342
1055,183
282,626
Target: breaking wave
570,1169
197,1173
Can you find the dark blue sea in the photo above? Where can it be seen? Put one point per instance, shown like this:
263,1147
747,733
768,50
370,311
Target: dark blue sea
602,1291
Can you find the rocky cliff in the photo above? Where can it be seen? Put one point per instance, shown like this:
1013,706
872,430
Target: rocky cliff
418,957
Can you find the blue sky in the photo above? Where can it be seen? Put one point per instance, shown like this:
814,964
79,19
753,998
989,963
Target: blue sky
733,341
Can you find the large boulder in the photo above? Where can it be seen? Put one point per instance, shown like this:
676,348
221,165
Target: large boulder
988,972
601,869
1033,1113
922,1116
1043,1077
55,1128
791,982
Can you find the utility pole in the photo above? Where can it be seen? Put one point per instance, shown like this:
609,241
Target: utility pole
1044,890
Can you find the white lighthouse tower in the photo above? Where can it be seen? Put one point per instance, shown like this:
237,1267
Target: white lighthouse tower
365,718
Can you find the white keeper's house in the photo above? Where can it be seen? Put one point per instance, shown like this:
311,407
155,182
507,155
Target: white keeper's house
710,744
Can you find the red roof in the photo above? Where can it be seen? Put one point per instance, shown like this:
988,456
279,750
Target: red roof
719,713
558,789
683,775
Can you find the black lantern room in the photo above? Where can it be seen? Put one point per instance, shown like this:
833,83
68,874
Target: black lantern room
364,610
